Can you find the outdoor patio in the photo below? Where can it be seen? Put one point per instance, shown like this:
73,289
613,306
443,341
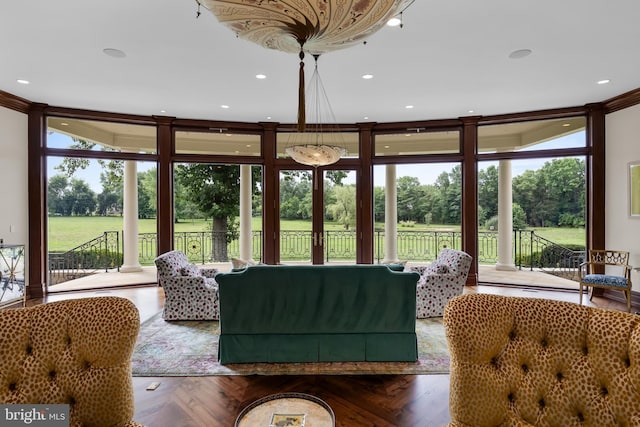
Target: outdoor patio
486,274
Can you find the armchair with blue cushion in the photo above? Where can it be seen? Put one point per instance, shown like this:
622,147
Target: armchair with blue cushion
606,269
190,291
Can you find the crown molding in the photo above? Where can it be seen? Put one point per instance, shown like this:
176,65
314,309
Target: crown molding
14,102
625,100
611,105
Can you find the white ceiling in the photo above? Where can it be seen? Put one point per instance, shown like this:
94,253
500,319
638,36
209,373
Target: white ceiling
452,56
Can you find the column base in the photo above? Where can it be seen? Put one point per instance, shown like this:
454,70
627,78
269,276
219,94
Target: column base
130,268
505,267
389,261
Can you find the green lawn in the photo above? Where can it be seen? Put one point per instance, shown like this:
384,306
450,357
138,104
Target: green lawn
68,232
563,236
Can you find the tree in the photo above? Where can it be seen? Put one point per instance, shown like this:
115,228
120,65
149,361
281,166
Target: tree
215,189
56,190
553,194
378,204
147,183
183,207
410,199
83,199
343,210
448,206
487,193
108,203
519,217
296,195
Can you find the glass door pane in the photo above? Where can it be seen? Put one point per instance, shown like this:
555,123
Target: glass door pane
531,215
295,218
424,203
338,239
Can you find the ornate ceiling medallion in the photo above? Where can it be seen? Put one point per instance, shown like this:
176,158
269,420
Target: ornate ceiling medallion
321,25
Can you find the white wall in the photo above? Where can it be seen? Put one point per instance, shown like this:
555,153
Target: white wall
13,177
622,147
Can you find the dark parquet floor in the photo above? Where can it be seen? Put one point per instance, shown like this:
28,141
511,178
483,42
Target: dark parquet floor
357,401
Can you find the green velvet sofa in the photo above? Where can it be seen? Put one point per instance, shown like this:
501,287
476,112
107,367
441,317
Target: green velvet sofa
281,314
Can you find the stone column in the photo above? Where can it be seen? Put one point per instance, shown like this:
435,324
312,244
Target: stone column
130,217
390,216
505,217
246,242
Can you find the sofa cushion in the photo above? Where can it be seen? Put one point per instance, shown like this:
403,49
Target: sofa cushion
605,279
238,263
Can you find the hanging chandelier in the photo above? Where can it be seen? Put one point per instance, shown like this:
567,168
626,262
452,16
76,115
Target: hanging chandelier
318,143
314,27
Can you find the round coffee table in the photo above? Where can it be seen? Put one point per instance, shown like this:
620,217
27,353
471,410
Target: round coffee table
287,410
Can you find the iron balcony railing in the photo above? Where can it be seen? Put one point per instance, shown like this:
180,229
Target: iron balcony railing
105,252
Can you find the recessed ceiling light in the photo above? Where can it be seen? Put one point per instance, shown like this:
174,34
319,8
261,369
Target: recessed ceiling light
394,22
386,146
268,117
224,106
604,81
520,53
64,124
566,125
248,145
260,76
114,53
163,111
471,111
367,76
408,107
366,117
23,81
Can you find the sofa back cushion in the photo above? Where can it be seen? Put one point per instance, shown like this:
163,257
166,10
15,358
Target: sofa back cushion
323,299
525,361
75,352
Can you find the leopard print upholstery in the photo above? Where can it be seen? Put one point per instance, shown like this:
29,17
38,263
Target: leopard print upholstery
435,286
531,362
75,352
193,296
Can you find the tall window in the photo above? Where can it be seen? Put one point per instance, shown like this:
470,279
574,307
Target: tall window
91,188
531,211
217,202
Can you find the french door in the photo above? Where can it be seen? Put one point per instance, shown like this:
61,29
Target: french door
317,216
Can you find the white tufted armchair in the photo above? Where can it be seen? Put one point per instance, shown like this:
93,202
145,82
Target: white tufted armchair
440,281
190,292
533,362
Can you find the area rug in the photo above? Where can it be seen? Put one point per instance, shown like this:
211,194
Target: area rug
190,348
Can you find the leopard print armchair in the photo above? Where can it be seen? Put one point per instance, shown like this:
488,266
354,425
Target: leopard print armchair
531,362
75,352
191,292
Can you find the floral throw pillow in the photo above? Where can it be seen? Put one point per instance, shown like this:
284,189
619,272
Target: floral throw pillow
436,268
190,270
